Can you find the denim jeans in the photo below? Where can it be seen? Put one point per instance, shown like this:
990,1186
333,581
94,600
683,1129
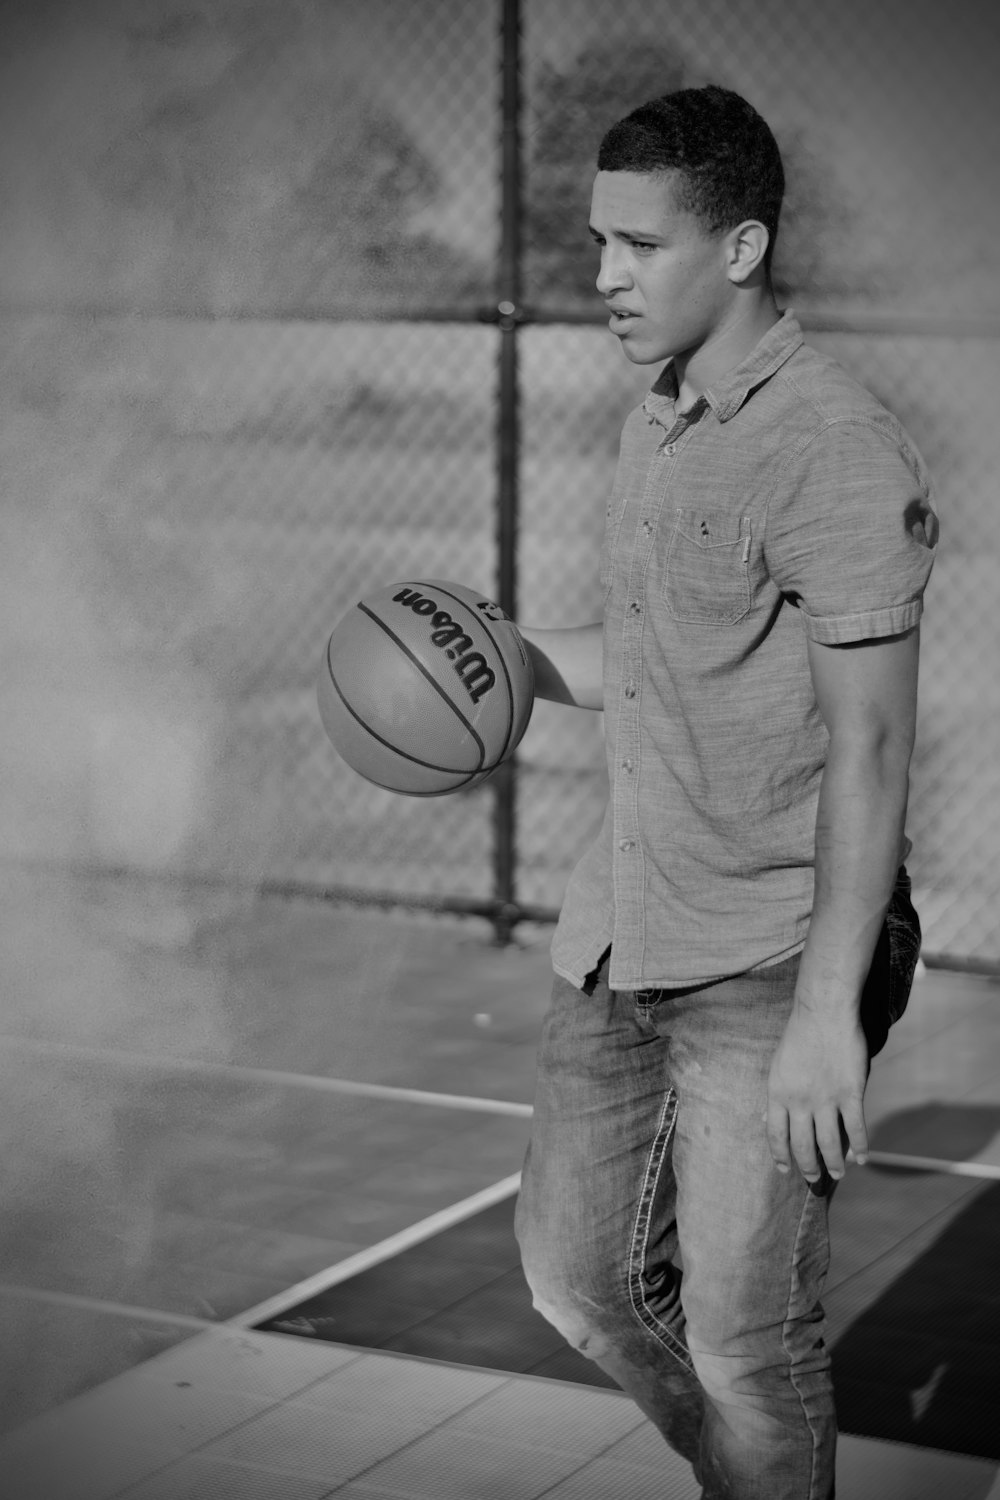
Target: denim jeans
658,1236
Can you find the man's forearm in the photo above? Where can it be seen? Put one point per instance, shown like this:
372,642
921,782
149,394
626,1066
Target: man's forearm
859,833
817,1081
868,698
568,664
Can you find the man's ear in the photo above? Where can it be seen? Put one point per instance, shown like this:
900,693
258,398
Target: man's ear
746,246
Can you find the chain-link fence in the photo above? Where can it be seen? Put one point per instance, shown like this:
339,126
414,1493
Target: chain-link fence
252,368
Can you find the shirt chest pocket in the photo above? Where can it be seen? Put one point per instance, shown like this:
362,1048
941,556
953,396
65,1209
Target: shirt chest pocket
707,573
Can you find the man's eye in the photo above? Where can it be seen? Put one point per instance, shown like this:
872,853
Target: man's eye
645,246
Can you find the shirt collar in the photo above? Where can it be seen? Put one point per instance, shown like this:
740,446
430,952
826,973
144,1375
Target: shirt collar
728,394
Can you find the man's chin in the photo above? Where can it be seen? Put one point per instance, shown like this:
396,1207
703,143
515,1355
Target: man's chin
641,354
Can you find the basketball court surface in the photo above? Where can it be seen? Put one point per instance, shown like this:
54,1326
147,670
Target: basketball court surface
274,1260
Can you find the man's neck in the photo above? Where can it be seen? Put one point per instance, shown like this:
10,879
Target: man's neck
727,347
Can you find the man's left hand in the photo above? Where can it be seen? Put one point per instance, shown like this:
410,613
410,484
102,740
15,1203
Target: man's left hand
815,1094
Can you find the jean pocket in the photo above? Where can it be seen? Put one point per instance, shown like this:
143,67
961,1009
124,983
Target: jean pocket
707,577
890,979
902,927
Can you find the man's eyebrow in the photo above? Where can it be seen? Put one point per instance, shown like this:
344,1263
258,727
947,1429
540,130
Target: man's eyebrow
643,236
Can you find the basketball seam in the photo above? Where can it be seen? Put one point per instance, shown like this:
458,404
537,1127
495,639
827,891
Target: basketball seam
438,589
428,764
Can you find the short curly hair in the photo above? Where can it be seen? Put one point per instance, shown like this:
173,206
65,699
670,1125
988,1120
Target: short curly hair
726,159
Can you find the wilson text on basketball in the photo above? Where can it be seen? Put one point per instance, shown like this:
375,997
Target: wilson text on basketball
449,637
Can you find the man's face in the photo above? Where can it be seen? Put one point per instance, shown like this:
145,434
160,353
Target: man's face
663,276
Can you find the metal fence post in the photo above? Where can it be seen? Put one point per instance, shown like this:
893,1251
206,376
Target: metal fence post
509,315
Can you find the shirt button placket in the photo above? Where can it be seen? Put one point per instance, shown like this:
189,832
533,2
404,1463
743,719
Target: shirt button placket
628,851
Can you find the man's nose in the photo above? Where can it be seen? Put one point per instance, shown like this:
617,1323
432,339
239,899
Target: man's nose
614,275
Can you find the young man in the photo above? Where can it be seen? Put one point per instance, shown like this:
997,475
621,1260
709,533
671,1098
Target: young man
736,943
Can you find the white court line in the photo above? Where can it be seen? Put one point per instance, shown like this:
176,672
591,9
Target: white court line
424,1229
167,1064
982,1169
113,1309
291,1296
985,1170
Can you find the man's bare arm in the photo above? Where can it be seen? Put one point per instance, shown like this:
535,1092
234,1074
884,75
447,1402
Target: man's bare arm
867,695
569,665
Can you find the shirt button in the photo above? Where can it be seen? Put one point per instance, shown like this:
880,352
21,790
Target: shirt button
647,527
630,689
627,765
635,607
670,449
626,845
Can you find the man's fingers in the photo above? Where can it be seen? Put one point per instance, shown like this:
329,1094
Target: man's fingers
803,1138
853,1116
776,1120
828,1139
814,1142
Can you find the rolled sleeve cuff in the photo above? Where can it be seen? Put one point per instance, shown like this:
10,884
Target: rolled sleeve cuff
873,624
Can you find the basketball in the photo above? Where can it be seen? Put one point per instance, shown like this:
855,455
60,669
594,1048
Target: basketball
425,688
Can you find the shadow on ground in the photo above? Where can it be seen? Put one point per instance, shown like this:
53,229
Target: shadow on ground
920,1364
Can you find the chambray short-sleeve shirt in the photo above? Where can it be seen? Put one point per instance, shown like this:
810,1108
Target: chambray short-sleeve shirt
786,503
